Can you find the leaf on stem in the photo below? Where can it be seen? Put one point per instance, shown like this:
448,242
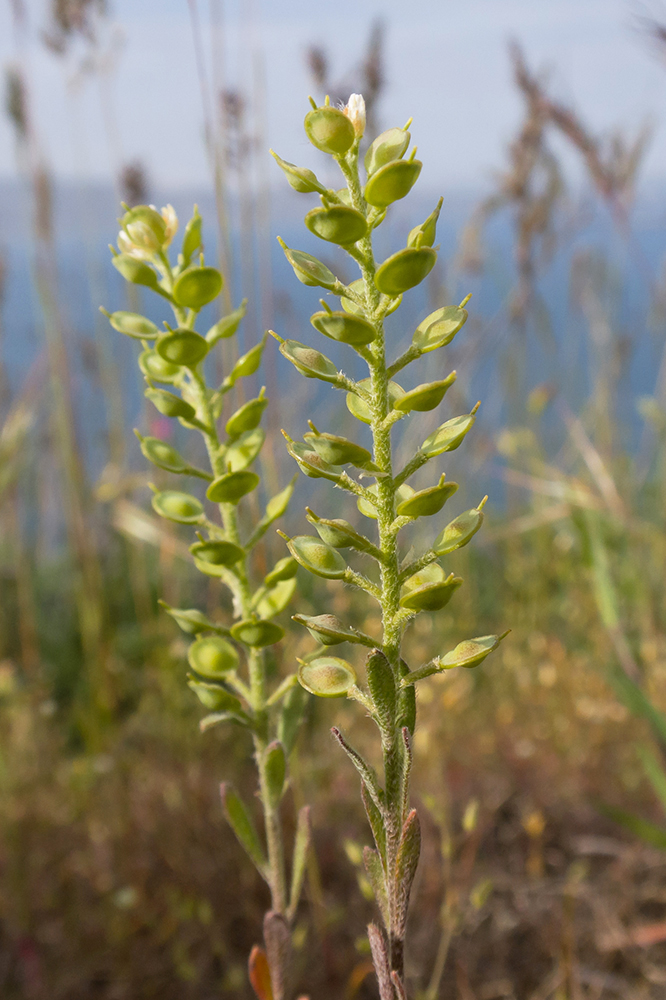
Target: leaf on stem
241,823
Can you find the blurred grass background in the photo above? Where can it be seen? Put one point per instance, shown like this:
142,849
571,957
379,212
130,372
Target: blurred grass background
118,877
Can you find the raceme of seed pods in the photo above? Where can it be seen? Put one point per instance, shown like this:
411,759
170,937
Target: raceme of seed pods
403,589
228,669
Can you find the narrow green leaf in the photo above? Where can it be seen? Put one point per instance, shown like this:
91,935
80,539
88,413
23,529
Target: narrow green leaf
302,843
241,823
275,771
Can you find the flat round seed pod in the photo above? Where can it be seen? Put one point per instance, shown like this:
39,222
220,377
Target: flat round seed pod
182,347
344,196
354,309
163,455
317,557
390,145
277,599
431,597
213,696
338,224
330,631
300,178
424,235
310,463
327,677
212,656
345,328
338,450
369,510
470,652
156,368
392,182
284,569
211,557
330,130
197,286
244,450
336,532
308,269
134,325
449,436
246,417
405,269
191,620
227,326
179,507
135,271
358,406
169,404
427,502
257,633
311,363
232,487
459,532
426,396
439,328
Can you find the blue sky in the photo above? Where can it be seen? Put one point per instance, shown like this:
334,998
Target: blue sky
447,66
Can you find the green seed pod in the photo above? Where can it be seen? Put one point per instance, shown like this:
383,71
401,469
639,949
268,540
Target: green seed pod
163,455
424,235
349,305
248,416
278,504
308,269
338,224
248,363
317,557
276,600
310,463
182,347
431,596
169,404
156,368
406,703
344,328
361,410
214,697
338,450
275,771
368,510
284,569
354,309
133,325
327,677
232,487
344,196
212,558
212,656
244,450
330,130
426,396
148,217
309,362
339,533
439,328
227,326
449,436
197,286
136,271
382,687
405,269
471,652
257,633
191,237
390,145
330,631
179,507
427,502
191,620
392,182
300,178
460,531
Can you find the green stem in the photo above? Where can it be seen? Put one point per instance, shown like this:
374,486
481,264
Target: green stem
395,774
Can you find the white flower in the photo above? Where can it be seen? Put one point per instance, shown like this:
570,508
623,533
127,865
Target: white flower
355,111
171,220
